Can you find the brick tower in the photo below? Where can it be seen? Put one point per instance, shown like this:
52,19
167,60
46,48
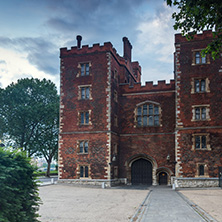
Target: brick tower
198,110
90,76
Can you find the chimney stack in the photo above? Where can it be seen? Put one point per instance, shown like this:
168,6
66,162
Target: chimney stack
79,39
127,47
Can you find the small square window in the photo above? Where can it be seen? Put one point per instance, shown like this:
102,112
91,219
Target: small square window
201,113
199,58
83,146
200,85
200,142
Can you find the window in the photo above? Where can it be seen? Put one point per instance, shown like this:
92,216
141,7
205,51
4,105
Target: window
148,115
201,170
115,96
83,146
84,171
201,112
200,142
85,92
199,59
115,120
200,85
84,69
84,118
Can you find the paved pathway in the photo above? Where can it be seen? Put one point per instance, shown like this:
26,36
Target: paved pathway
165,204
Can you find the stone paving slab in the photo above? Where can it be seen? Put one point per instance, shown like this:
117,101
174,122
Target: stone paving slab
210,200
67,203
165,204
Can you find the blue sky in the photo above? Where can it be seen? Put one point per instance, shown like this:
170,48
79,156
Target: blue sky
33,31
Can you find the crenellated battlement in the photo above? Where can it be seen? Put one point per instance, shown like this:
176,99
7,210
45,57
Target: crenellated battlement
148,87
86,49
198,37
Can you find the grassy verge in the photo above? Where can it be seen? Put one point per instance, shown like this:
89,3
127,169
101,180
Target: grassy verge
52,173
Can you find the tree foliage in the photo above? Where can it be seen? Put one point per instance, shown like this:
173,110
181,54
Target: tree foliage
194,16
28,109
19,198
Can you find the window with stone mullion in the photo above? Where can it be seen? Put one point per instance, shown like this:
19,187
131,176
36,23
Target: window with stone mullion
148,115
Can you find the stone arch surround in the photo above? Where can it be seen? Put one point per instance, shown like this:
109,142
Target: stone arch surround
165,170
137,157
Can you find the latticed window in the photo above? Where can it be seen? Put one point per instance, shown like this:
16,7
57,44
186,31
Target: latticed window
148,115
84,171
85,69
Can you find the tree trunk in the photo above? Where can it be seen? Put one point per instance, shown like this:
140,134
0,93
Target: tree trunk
48,167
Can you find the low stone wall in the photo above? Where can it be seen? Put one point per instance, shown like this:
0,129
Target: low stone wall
93,182
179,182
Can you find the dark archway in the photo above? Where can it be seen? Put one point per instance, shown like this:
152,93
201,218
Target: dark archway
141,172
163,178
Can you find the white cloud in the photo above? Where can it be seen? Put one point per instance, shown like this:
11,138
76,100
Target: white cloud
16,66
156,36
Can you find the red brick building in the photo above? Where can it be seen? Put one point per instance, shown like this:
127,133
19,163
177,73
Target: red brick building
114,130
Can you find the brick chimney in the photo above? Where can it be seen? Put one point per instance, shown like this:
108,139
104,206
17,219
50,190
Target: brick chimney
79,39
127,47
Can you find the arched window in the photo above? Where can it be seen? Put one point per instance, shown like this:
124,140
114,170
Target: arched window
148,115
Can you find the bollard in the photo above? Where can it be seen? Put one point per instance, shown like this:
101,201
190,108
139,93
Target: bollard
103,185
52,180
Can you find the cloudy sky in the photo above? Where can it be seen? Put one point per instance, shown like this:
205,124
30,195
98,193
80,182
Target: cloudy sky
33,31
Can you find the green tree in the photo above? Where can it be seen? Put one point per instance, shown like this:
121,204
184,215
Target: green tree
29,114
197,15
19,199
46,142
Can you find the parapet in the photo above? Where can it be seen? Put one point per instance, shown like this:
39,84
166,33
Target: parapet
86,49
206,35
148,87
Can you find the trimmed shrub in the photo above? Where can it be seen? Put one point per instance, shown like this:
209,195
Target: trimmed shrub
19,199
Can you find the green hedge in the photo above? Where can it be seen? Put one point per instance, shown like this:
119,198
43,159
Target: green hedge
19,200
52,173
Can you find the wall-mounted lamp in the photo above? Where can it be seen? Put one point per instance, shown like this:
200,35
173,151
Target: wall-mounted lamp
168,157
114,158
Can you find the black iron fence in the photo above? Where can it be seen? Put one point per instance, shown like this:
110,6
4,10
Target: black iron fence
220,176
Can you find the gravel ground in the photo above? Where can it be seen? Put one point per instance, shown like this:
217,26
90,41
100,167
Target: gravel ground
67,203
210,200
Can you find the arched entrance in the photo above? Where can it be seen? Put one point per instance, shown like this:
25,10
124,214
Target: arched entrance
141,172
163,178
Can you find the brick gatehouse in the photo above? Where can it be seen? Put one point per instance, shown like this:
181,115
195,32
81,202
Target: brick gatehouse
115,130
